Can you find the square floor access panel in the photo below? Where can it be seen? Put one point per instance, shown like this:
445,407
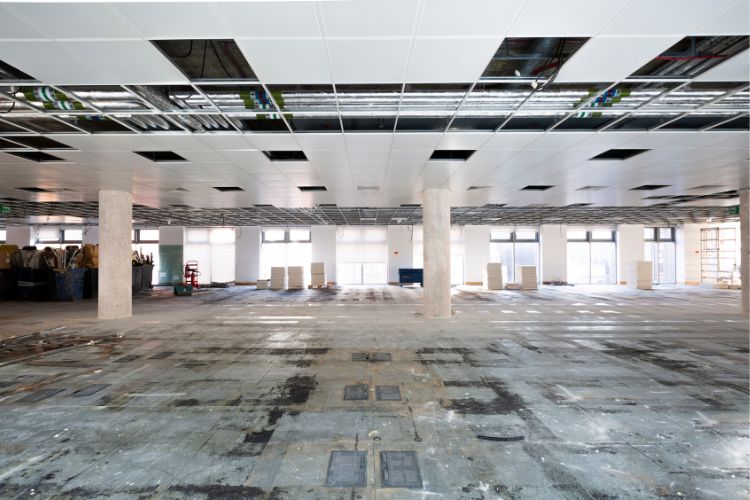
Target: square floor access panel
357,392
347,469
399,469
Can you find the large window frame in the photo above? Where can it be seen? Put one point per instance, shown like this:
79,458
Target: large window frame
63,237
290,235
3,235
591,237
514,237
656,241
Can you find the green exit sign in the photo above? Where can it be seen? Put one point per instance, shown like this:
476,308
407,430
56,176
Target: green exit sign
4,209
734,210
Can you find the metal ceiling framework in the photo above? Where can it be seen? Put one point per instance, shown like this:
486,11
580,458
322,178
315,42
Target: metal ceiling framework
268,215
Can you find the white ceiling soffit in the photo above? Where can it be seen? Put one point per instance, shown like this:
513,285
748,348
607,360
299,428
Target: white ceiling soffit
450,60
611,59
103,62
735,69
543,18
287,61
663,17
173,20
734,20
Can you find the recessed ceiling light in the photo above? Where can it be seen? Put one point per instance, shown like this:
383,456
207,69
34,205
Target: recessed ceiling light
228,188
285,155
452,154
619,154
649,187
36,156
160,156
536,188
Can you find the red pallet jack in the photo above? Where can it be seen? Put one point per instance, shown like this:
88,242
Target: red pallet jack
192,273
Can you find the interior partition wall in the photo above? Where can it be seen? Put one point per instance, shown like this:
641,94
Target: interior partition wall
660,249
592,256
515,247
283,247
362,255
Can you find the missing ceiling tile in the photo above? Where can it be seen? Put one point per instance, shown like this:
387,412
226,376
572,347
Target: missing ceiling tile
452,154
619,154
224,189
36,156
311,188
538,187
285,155
160,156
649,187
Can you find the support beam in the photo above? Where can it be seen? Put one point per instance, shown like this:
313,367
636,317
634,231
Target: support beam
745,248
115,250
436,219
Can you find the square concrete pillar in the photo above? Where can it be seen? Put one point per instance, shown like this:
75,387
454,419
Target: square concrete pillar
436,222
745,248
115,251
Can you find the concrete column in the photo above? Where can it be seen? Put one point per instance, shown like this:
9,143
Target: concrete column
745,248
400,251
21,236
115,266
554,250
436,220
247,255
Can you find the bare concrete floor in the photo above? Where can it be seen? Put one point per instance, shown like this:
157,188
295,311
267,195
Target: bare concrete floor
598,392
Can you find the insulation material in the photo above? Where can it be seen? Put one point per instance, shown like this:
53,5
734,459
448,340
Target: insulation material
493,276
528,277
278,278
318,273
296,277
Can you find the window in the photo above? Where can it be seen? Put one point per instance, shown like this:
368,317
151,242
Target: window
49,235
71,236
283,247
362,255
3,235
592,256
514,248
214,249
146,242
659,247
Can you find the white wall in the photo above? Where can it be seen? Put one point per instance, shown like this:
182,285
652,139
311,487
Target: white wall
476,252
21,236
688,254
400,250
90,235
171,235
630,246
323,240
247,254
554,252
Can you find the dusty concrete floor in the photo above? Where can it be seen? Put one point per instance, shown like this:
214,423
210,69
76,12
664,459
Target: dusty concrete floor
605,392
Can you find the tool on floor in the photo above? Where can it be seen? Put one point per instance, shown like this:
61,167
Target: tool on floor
192,273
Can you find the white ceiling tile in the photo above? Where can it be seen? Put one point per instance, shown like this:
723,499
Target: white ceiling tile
665,17
416,140
355,141
450,60
734,20
556,140
535,154
271,19
595,61
85,20
369,60
464,140
735,69
240,157
511,140
326,157
378,155
470,18
410,155
174,20
287,61
225,141
493,155
548,18
274,142
48,61
12,27
321,142
364,18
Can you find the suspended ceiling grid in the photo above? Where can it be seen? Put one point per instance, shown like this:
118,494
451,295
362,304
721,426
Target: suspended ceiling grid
434,57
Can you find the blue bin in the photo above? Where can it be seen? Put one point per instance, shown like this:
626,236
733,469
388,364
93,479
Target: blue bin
69,285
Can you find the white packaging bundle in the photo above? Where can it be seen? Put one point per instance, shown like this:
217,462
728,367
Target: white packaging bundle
493,276
528,277
318,274
296,277
278,278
